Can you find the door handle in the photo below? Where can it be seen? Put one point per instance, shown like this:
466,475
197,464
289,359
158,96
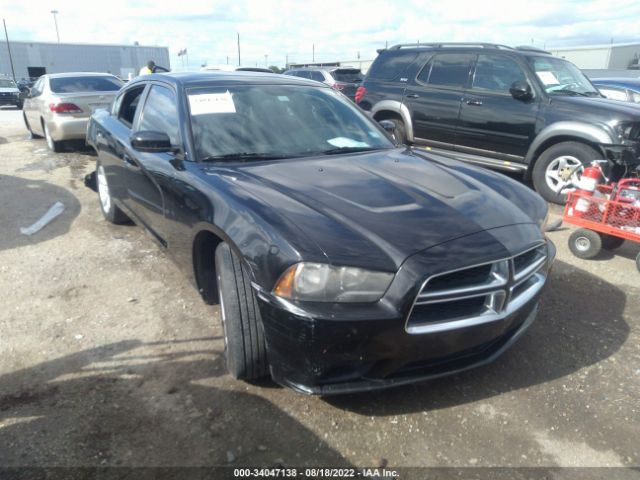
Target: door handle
473,101
413,95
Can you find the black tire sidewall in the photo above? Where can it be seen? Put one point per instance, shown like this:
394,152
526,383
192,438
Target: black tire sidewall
581,151
400,133
114,214
595,243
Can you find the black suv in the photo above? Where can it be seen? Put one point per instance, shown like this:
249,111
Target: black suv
516,109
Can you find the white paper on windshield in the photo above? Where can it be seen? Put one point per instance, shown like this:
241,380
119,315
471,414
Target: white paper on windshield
344,142
208,103
548,78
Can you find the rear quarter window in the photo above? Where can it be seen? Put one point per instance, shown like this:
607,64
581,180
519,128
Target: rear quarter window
348,76
391,64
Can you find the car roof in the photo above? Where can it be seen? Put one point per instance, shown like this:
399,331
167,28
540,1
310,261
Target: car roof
325,69
79,74
632,83
524,50
192,79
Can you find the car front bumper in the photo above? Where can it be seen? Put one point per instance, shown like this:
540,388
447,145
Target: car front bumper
9,100
345,352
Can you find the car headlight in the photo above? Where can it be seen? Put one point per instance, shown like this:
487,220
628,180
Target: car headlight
319,282
623,130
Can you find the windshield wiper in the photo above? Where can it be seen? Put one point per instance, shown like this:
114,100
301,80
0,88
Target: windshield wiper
334,151
242,156
570,92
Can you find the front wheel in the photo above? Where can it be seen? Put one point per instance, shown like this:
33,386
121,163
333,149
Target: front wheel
585,243
559,168
400,132
245,347
26,124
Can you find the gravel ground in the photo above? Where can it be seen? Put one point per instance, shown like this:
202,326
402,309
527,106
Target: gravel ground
108,357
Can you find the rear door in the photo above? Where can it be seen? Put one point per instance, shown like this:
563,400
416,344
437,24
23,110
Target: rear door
434,98
492,122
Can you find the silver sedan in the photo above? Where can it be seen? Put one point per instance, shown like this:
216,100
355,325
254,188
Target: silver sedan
59,105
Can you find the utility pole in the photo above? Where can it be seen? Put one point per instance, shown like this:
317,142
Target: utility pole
227,59
238,48
265,60
55,20
13,73
286,62
313,53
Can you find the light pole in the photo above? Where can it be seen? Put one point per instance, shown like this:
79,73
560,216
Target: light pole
55,20
265,60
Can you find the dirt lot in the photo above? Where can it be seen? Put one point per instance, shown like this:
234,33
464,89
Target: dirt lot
109,357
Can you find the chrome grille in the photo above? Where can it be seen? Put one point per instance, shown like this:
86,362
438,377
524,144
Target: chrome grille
478,294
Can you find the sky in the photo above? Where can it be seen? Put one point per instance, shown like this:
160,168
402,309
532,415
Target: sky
336,30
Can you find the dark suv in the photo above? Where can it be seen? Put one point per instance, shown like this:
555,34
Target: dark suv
516,109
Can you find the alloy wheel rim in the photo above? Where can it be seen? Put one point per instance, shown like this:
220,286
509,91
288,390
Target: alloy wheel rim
103,190
48,136
563,173
583,244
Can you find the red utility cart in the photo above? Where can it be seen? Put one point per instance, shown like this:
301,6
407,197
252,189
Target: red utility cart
607,217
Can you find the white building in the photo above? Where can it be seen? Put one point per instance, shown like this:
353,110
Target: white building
32,59
601,57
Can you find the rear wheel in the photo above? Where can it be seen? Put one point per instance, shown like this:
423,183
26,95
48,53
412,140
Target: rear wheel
54,146
559,168
26,124
110,211
610,242
585,243
245,348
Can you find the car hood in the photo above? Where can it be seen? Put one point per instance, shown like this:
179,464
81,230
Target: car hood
614,107
381,207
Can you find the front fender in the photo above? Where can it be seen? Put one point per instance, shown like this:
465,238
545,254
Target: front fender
595,134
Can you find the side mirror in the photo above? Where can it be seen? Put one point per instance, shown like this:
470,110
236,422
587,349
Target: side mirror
521,90
151,142
388,125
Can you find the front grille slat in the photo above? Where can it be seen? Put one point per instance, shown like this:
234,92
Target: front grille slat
477,294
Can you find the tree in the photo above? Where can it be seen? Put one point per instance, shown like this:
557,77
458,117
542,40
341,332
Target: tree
275,69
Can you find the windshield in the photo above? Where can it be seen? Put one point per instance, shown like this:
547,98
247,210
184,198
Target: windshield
561,77
348,76
7,83
85,84
277,121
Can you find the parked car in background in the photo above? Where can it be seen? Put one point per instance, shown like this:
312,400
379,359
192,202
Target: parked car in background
59,105
341,261
516,109
624,89
234,68
344,79
9,93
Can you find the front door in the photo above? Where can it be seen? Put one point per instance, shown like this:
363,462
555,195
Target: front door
492,122
433,98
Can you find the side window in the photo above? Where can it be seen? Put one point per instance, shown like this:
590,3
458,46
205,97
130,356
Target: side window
303,74
129,104
613,93
160,113
391,64
317,76
496,73
447,70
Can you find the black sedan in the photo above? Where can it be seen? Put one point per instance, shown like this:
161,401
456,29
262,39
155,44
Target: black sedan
341,262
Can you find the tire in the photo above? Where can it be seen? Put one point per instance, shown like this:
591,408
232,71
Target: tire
19,105
638,262
26,124
51,143
610,242
551,170
585,243
110,211
400,132
245,347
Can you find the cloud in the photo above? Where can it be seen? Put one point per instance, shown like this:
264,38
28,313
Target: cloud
291,29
